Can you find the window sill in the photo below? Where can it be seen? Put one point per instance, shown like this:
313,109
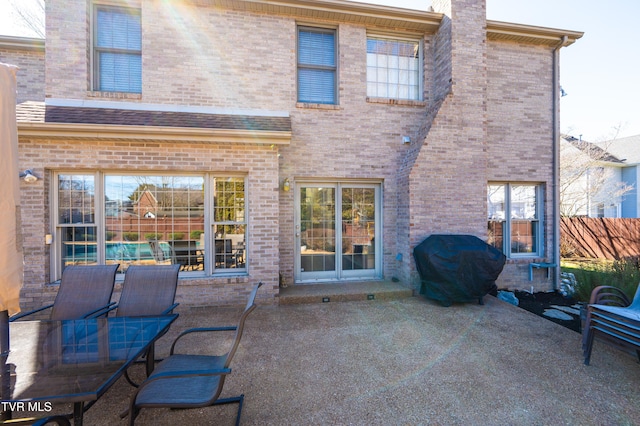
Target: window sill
524,260
317,106
390,101
114,95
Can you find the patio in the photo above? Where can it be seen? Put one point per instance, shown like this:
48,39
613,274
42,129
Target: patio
405,361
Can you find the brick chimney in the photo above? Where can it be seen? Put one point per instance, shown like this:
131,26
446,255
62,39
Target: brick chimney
445,171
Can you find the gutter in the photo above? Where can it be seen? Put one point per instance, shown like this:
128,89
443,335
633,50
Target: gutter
21,43
556,163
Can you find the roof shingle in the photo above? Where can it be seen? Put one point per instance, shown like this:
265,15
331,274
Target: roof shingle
39,112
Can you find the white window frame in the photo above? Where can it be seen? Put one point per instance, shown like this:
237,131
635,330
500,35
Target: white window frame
99,221
419,70
96,50
235,250
302,66
538,250
338,273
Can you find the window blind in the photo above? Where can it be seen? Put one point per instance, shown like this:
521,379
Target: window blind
118,50
316,66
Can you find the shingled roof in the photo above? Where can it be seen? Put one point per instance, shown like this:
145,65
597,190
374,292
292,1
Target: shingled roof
39,112
592,150
132,121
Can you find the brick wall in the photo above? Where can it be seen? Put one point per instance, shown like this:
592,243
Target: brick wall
30,76
486,116
224,58
67,48
358,140
520,149
259,163
447,173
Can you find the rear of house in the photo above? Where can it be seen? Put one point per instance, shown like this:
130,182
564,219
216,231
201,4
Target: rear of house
303,142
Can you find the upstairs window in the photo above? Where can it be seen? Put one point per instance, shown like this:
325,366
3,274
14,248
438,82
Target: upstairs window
117,50
393,68
317,65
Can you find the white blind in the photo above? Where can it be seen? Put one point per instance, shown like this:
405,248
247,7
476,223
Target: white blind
118,46
316,66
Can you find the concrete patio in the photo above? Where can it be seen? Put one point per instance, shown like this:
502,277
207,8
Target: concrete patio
407,361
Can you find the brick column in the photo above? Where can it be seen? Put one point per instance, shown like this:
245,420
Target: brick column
446,171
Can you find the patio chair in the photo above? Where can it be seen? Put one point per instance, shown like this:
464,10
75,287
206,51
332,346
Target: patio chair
187,254
191,381
84,290
148,290
613,318
161,256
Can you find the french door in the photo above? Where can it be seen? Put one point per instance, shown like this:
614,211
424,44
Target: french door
337,231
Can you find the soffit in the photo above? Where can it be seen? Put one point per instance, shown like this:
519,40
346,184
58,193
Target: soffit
388,17
529,34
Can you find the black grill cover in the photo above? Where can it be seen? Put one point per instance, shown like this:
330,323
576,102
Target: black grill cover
457,268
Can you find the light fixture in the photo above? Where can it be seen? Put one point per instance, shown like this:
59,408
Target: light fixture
406,140
29,176
286,185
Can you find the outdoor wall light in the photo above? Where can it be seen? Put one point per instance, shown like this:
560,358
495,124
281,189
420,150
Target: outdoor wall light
28,176
286,185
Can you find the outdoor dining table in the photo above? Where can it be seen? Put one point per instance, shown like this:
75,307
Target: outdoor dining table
73,361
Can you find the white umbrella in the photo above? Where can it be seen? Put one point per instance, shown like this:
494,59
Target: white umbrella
10,236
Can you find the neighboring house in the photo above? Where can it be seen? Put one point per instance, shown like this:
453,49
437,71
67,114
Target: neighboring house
308,141
629,150
146,205
599,179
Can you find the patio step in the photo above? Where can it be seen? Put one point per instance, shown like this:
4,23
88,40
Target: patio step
343,292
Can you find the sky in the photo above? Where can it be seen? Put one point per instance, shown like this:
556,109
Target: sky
599,72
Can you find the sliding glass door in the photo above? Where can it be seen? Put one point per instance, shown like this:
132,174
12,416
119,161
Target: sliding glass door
337,231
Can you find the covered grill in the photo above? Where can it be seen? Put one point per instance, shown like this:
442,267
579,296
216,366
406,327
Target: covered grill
457,268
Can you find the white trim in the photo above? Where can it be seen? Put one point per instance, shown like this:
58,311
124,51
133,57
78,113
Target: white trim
80,103
338,274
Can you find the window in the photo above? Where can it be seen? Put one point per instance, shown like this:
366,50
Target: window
393,68
117,50
316,65
151,219
229,223
77,218
514,218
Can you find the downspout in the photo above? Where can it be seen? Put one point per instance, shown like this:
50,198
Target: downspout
556,163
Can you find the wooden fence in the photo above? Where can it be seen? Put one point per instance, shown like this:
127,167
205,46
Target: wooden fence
603,238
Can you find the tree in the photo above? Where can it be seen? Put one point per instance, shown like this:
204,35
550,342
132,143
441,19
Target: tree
30,16
588,177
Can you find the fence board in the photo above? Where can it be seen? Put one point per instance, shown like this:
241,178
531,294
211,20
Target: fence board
603,238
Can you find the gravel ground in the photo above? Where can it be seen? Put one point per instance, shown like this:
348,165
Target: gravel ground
401,362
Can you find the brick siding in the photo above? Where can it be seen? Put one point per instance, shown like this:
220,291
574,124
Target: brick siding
259,163
486,116
30,76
